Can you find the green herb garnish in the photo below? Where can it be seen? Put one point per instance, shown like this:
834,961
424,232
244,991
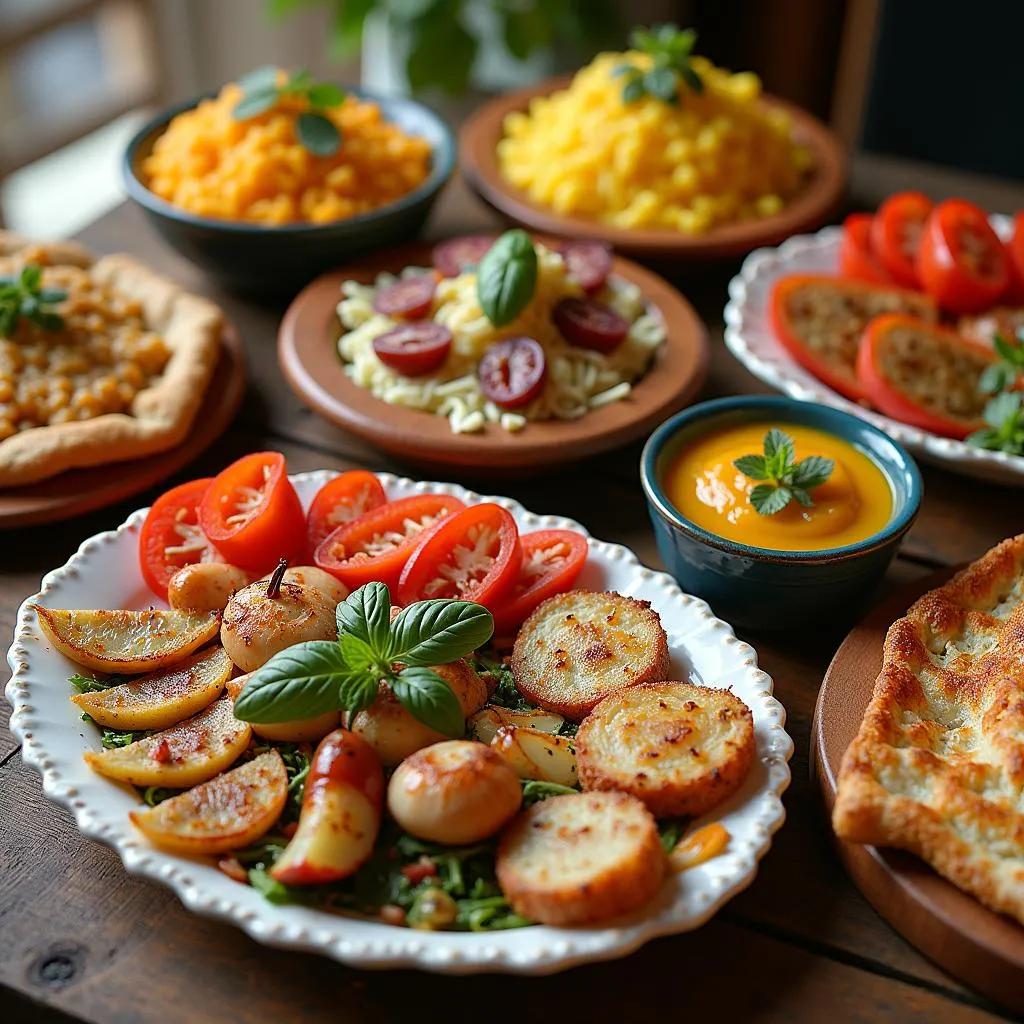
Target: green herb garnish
785,478
318,676
86,684
24,298
1004,415
671,50
535,790
1003,375
506,277
314,130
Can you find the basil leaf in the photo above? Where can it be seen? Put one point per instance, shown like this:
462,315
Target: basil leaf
325,94
633,90
993,379
430,699
357,653
366,614
662,82
50,296
357,691
753,466
439,631
1001,408
318,134
31,275
692,79
985,438
259,80
252,104
506,277
768,500
299,682
813,471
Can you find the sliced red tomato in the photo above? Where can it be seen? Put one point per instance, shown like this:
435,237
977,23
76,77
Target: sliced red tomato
896,233
252,514
589,262
414,348
341,500
589,324
474,556
512,373
962,262
377,545
457,254
923,375
856,259
172,537
1015,262
408,298
552,562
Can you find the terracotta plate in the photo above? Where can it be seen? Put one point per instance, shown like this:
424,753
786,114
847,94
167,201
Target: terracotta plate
814,206
983,949
84,490
309,357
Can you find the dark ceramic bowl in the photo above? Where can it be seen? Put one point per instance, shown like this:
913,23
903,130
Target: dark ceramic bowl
255,257
760,588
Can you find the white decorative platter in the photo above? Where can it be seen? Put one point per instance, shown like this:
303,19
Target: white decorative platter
104,573
749,336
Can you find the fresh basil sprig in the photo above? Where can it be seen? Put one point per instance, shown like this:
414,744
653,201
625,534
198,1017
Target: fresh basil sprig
785,478
318,676
1003,375
1004,415
23,297
670,50
314,130
506,277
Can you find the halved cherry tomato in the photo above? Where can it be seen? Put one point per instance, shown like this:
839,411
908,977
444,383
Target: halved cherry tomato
589,324
415,348
408,298
512,372
341,500
923,375
552,562
589,262
172,537
962,262
856,259
474,556
1015,262
377,545
252,513
896,232
452,257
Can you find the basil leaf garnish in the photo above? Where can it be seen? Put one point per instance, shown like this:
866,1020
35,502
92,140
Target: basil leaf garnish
299,682
366,613
435,632
506,277
356,692
430,699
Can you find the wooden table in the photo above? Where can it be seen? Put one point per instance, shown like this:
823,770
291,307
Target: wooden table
81,939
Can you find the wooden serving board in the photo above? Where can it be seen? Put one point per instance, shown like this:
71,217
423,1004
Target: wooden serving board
84,490
983,949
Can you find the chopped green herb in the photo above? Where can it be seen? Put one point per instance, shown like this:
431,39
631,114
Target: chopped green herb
24,298
671,831
534,790
1004,415
670,73
785,478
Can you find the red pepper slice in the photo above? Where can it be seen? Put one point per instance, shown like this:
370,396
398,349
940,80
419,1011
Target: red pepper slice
253,515
474,556
1015,261
341,500
172,537
377,545
923,375
856,259
896,232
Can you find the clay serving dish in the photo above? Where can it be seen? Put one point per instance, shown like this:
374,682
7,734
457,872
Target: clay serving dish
820,200
307,349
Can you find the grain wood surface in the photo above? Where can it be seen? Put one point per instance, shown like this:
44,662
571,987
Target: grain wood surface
80,939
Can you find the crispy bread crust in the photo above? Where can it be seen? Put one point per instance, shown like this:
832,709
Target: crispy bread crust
937,767
162,414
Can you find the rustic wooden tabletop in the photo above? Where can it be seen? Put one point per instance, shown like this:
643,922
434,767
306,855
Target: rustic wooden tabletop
81,939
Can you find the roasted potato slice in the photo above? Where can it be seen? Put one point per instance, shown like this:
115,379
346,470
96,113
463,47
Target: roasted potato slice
489,719
159,700
578,647
580,858
126,641
303,730
186,754
678,747
537,755
226,813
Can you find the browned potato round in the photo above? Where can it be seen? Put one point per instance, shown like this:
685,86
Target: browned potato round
205,586
311,576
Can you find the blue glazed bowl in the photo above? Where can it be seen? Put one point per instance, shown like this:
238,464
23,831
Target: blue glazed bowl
281,259
760,588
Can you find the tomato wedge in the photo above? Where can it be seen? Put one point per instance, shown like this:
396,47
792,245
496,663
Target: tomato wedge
414,348
896,232
856,259
474,556
253,515
172,537
513,372
341,500
923,375
1015,262
552,562
589,262
377,545
963,264
589,324
409,298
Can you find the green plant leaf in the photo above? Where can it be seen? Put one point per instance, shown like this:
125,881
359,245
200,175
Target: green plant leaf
318,134
430,699
439,631
259,80
985,438
768,499
366,614
526,30
31,276
325,94
994,378
778,442
51,296
633,90
441,51
347,26
299,682
254,103
692,79
662,82
299,82
358,655
1001,409
506,277
802,496
357,691
49,321
753,466
812,471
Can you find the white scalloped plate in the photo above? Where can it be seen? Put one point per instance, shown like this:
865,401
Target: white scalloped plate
104,574
749,336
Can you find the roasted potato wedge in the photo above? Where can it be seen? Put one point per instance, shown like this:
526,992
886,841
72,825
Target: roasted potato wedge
303,730
126,641
159,700
226,813
578,647
205,586
579,858
489,719
537,755
185,755
678,747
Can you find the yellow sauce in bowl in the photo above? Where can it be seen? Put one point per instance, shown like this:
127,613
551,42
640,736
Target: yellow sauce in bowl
852,505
